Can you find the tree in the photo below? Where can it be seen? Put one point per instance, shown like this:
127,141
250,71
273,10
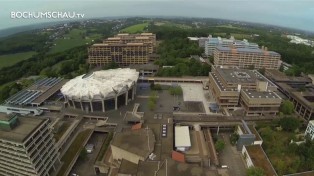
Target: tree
255,171
234,138
111,65
220,145
289,123
177,90
286,107
262,71
83,154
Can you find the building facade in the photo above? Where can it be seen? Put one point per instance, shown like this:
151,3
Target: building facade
231,87
27,147
259,103
146,38
123,49
212,43
122,54
298,90
246,58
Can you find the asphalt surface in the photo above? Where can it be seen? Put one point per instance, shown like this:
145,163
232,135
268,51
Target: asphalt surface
232,158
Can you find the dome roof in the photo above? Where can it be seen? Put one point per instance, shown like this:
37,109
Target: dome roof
100,84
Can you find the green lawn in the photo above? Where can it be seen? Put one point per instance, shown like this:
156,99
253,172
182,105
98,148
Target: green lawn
170,24
281,153
75,38
75,148
64,127
11,59
241,36
135,28
228,26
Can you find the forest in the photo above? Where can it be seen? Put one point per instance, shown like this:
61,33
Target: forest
174,50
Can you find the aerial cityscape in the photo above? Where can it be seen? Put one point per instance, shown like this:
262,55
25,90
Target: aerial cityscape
156,96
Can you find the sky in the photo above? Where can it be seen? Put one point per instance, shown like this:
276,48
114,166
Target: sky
297,14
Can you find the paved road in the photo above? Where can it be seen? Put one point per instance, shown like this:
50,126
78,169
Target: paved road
232,158
86,167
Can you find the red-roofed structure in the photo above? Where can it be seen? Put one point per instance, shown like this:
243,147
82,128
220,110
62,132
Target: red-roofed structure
177,156
137,126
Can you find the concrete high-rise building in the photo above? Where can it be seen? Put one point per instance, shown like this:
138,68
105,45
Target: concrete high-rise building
122,54
124,49
247,88
123,38
26,146
247,57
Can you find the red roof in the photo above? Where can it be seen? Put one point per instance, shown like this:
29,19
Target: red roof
178,156
137,126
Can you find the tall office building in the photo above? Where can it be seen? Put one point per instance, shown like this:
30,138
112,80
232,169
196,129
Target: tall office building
246,57
247,88
26,146
124,49
146,38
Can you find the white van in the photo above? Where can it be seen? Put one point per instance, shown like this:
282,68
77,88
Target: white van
89,148
224,166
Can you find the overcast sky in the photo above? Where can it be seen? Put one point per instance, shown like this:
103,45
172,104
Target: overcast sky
290,13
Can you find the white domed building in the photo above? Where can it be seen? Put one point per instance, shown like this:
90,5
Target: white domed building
101,90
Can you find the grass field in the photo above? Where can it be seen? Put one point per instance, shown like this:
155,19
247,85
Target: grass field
11,59
170,24
229,26
241,36
277,147
76,37
135,28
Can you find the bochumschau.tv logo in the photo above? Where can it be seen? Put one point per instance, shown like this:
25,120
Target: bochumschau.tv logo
46,15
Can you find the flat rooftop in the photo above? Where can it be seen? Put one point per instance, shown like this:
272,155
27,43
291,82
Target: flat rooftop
120,44
257,94
305,96
182,136
278,76
127,167
20,133
238,76
259,159
247,50
38,92
6,117
140,142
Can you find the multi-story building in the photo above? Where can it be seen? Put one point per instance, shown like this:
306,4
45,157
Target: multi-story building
246,58
257,103
123,38
26,146
212,43
298,90
234,87
124,49
122,54
310,129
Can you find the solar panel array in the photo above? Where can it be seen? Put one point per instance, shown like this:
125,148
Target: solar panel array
27,96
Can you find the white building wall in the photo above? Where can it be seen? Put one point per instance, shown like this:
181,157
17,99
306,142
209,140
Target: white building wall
310,129
247,157
120,154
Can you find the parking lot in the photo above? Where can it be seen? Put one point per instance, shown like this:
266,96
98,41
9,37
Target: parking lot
231,157
86,167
